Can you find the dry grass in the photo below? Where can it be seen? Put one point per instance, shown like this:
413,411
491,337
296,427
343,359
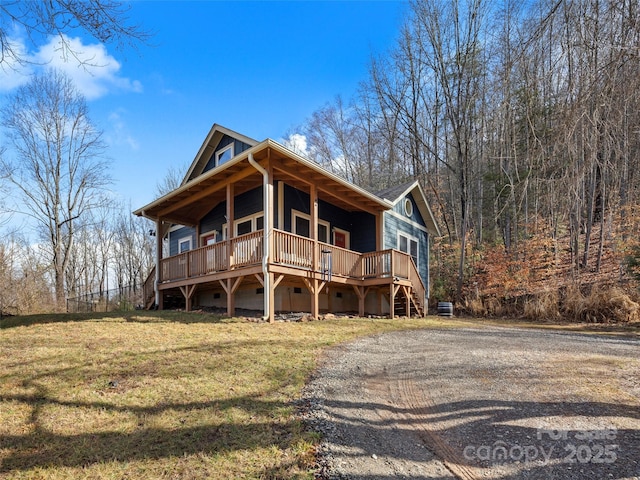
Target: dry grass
602,305
160,395
544,306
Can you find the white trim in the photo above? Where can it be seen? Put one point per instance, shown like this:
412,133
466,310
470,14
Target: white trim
406,220
297,213
408,207
347,237
409,238
253,218
220,153
184,240
210,233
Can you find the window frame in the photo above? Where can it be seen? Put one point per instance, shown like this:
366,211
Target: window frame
410,238
408,207
254,222
220,153
347,237
306,216
182,241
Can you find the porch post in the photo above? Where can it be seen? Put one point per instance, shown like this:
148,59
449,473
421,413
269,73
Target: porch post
229,215
313,234
268,220
159,232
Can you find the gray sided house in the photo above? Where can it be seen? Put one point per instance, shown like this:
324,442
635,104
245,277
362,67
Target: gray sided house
256,226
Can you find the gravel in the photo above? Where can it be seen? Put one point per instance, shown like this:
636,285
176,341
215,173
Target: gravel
478,403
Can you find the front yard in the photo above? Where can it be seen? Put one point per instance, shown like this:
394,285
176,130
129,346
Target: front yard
161,395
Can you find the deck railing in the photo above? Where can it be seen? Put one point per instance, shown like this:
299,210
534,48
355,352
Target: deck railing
292,250
295,251
226,255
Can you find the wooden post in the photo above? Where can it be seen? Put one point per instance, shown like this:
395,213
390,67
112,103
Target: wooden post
407,296
159,296
361,292
379,232
272,297
230,228
188,291
313,227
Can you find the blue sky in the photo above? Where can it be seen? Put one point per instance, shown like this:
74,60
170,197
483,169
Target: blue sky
260,68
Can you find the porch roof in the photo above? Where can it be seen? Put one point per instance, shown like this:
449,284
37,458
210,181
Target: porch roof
190,202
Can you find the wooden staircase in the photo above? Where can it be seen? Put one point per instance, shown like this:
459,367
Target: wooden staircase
416,305
149,290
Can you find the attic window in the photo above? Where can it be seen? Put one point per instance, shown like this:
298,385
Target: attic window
408,207
224,155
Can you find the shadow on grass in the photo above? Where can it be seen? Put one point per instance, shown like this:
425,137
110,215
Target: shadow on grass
141,316
40,448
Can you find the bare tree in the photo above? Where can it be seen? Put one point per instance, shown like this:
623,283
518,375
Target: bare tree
105,20
58,166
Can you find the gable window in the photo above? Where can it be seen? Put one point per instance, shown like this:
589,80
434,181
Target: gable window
224,155
301,225
184,245
408,207
408,244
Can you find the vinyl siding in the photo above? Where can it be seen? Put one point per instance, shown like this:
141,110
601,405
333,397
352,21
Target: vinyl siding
180,234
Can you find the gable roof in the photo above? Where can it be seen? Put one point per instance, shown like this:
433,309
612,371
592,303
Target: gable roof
199,190
209,146
399,192
190,202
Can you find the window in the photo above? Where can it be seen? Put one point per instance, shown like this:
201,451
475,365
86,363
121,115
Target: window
248,224
184,245
323,232
224,155
301,223
408,244
408,207
243,227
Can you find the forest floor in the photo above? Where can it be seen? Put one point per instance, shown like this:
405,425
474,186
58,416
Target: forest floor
479,402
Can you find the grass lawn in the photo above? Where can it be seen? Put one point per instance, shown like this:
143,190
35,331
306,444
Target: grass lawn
161,395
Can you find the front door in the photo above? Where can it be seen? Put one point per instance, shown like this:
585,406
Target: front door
340,239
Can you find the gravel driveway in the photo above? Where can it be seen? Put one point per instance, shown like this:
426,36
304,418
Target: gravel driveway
479,403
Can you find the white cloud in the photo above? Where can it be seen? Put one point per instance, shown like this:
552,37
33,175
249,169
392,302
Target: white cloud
12,73
297,143
94,72
118,133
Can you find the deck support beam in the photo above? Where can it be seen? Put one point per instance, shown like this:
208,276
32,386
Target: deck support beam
393,290
407,296
188,291
230,285
361,293
314,289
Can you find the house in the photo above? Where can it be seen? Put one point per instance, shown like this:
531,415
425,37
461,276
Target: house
257,226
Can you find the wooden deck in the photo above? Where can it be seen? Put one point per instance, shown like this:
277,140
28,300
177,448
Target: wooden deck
292,255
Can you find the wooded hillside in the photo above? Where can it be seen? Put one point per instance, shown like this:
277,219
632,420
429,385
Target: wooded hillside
522,121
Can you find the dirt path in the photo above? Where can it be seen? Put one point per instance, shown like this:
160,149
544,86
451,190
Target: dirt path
486,403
